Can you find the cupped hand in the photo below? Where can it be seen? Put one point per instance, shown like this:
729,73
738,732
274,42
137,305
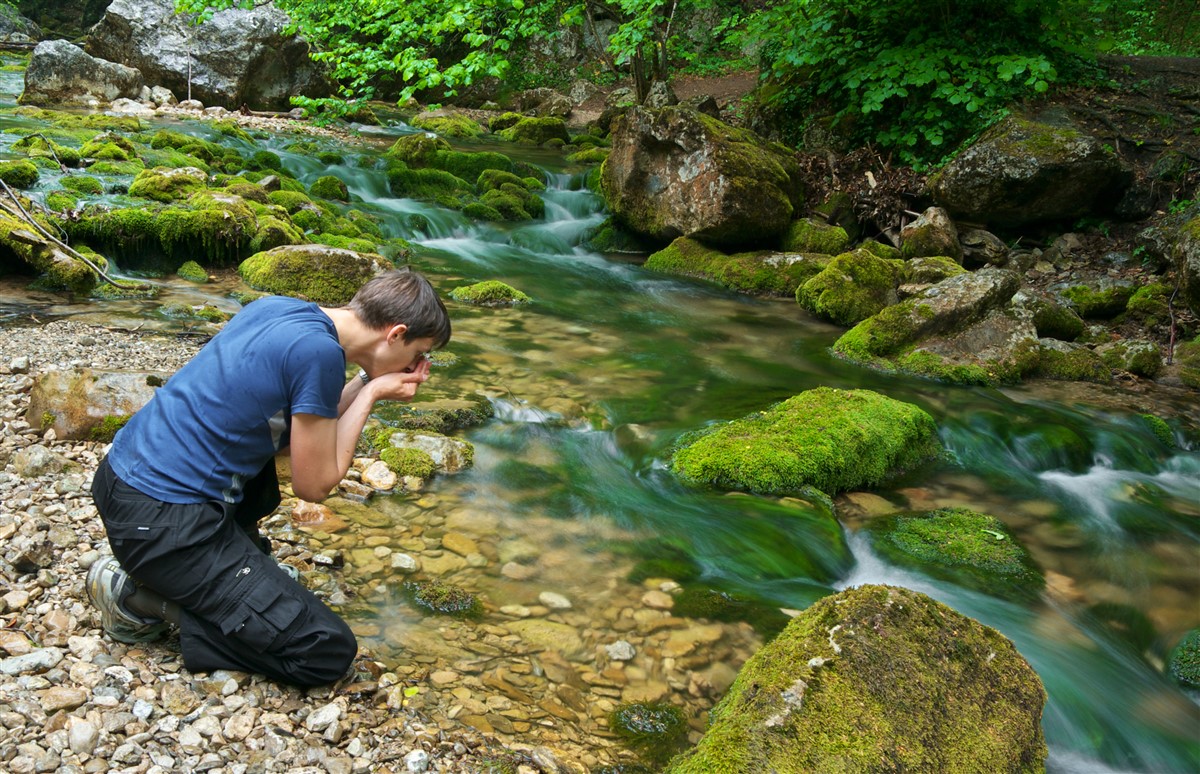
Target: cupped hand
399,386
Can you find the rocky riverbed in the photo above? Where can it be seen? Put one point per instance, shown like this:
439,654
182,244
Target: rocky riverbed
524,687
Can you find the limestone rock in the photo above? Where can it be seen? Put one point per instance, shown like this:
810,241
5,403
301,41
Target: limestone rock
931,234
237,57
1021,171
825,695
60,73
78,401
674,172
15,28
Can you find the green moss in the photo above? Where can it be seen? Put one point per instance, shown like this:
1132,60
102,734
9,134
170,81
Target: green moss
513,204
221,234
930,269
1076,363
62,201
329,187
489,293
1187,355
442,598
82,184
1055,321
830,439
1098,303
192,272
264,160
877,679
117,168
321,274
19,174
1183,664
1148,304
432,417
751,272
588,156
230,128
851,288
108,147
108,427
37,146
1138,357
1161,430
346,243
248,191
418,150
536,131
961,545
880,250
205,312
48,419
504,121
426,184
166,185
292,201
813,236
455,125
655,730
173,159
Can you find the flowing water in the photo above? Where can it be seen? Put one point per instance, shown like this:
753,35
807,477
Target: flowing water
594,381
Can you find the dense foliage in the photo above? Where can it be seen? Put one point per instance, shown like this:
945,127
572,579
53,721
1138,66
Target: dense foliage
915,77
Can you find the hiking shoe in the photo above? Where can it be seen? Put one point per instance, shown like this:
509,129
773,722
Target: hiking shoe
107,586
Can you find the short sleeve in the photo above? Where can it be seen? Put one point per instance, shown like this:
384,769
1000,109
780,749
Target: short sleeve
315,372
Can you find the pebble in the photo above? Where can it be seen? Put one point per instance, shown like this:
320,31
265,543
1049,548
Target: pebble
554,600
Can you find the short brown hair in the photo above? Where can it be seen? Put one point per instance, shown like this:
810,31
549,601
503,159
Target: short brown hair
403,296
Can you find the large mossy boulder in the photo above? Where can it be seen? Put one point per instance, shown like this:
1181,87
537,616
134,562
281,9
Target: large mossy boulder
833,440
962,329
422,151
60,269
760,271
877,679
60,74
809,235
852,287
964,546
448,123
675,172
536,131
1022,171
166,185
326,275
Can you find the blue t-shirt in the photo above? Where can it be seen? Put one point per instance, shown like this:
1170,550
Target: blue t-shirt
225,414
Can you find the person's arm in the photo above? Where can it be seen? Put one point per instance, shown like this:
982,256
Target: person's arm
323,447
349,393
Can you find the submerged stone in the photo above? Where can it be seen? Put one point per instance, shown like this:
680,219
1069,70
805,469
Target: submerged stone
964,546
833,440
877,679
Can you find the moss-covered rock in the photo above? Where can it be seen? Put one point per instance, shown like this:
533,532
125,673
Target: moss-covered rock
1149,304
427,184
329,187
192,272
442,598
609,237
930,270
830,439
408,462
504,121
961,545
851,288
489,293
84,184
750,272
1064,361
877,679
588,156
19,174
1187,355
326,275
438,416
108,147
1102,301
38,146
933,233
167,185
1137,356
448,124
1050,318
536,131
808,235
1183,664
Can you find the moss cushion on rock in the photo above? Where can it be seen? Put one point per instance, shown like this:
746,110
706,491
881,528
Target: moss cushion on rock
853,287
750,272
965,546
877,679
1184,661
326,275
830,439
489,293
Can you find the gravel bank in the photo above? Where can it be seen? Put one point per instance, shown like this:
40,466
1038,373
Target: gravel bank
71,700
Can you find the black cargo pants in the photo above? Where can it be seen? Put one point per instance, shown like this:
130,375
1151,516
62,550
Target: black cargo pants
238,609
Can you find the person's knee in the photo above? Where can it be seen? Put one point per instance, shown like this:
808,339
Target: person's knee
323,654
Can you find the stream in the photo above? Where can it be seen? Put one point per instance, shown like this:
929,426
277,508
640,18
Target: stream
594,381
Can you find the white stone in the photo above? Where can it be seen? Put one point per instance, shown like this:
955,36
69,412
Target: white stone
554,601
416,761
323,718
620,650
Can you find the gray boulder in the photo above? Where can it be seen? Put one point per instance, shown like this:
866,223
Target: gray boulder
60,73
675,172
1022,171
15,28
237,57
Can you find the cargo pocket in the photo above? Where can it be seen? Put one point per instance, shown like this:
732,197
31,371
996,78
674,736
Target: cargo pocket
264,618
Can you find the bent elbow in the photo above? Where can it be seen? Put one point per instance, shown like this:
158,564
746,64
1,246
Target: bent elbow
310,492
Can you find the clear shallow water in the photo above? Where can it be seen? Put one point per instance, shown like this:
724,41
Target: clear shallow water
596,379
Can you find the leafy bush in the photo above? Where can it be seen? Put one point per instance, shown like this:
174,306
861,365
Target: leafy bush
919,76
